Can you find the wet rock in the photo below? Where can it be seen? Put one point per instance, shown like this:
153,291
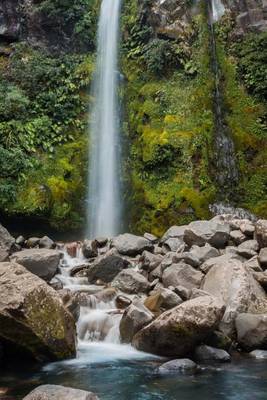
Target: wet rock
261,232
72,249
131,245
56,284
233,284
204,253
149,261
55,392
41,262
181,366
263,257
238,237
79,270
122,302
252,331
107,266
101,241
71,302
162,299
201,232
106,295
248,248
89,248
46,243
130,281
182,274
177,331
32,308
135,317
6,243
219,340
259,354
206,353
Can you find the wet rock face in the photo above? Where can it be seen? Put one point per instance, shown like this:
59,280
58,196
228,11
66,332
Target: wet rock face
250,15
10,25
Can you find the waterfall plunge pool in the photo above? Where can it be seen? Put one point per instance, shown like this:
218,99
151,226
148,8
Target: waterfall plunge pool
120,373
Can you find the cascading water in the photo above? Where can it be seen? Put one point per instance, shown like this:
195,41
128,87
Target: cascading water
104,202
224,152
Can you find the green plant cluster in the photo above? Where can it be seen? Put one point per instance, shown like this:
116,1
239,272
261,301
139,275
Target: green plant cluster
43,109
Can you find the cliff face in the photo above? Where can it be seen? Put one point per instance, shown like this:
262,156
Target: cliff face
46,64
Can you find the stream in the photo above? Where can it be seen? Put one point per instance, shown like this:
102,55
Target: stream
116,371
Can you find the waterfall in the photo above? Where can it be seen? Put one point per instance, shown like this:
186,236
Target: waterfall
224,151
104,200
218,10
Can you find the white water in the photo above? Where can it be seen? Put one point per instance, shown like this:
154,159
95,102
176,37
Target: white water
98,324
218,10
104,199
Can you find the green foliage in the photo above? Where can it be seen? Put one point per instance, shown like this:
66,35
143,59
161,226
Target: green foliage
253,63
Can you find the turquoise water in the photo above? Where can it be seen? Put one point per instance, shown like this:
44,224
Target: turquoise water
109,373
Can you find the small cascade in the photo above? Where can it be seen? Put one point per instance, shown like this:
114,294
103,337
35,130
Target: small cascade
224,152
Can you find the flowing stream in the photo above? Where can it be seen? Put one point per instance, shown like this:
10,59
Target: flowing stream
224,152
104,201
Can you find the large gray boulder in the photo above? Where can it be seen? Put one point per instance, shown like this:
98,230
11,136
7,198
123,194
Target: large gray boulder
252,331
6,243
32,316
131,245
107,266
149,261
261,232
174,232
162,299
182,274
56,392
204,253
130,281
176,332
201,232
135,317
41,262
233,284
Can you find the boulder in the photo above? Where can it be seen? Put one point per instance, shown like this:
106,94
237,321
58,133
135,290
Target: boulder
198,293
101,241
182,274
79,270
182,292
72,249
32,242
253,263
263,257
177,331
135,317
259,354
187,258
225,258
149,261
173,244
46,243
233,284
261,232
89,248
201,232
181,366
252,331
106,267
204,253
130,281
247,228
131,245
55,392
219,340
248,248
174,232
237,237
41,262
150,237
162,299
206,353
6,243
261,277
122,302
30,307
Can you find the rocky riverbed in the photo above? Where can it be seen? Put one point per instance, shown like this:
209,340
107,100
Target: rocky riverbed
195,296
